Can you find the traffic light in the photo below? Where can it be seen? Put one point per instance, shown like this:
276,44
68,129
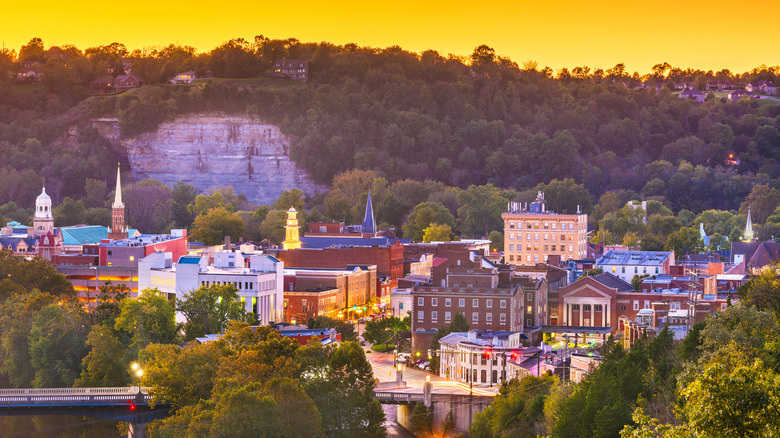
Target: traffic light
514,355
487,354
130,404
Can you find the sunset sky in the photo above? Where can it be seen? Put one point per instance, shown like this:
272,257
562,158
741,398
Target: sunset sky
705,35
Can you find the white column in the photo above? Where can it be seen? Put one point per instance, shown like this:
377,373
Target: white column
592,314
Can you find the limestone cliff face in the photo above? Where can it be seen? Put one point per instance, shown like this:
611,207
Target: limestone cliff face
209,151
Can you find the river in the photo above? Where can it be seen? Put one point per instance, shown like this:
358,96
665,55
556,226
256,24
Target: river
60,426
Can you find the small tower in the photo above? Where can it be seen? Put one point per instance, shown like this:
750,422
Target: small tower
369,225
43,221
291,231
748,235
117,229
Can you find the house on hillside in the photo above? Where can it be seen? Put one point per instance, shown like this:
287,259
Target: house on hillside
696,95
126,82
30,74
102,85
185,77
739,94
295,69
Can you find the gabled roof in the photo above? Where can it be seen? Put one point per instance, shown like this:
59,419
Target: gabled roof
613,282
766,253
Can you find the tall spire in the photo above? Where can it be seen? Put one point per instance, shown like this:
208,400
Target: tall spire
117,230
748,236
118,195
369,226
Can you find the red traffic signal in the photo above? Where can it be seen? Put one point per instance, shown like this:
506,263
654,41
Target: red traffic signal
487,354
131,404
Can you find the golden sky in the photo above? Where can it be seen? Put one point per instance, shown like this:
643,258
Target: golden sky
706,35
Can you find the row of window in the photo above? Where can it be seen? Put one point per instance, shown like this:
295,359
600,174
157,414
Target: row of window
636,269
537,236
586,307
536,247
448,316
536,225
462,302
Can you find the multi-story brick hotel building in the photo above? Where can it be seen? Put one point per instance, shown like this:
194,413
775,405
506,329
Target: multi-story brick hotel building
532,233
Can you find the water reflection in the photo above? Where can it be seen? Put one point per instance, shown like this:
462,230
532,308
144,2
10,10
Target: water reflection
61,426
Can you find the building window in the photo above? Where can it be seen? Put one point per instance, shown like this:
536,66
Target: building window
598,308
575,307
475,317
622,307
530,309
462,302
511,236
656,270
421,301
511,258
400,306
489,303
553,247
636,305
503,317
420,314
434,315
623,270
586,307
511,247
502,304
636,269
448,302
447,316
475,302
489,317
528,323
434,301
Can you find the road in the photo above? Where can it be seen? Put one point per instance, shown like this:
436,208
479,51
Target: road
382,363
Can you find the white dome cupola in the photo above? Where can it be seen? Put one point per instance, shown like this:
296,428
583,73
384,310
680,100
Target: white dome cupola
43,221
43,205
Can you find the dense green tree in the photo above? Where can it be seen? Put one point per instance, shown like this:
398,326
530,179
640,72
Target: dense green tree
105,365
424,215
147,319
57,344
481,208
212,226
684,241
182,195
209,308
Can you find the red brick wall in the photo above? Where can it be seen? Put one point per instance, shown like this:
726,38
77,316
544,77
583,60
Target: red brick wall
389,260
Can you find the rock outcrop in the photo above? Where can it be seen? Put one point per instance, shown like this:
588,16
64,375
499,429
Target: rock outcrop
210,151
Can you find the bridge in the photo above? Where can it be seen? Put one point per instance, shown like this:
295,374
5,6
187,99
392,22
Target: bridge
441,398
130,405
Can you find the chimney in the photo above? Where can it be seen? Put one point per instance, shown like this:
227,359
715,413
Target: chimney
227,243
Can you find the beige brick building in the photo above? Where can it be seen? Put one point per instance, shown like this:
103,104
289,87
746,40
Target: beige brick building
532,233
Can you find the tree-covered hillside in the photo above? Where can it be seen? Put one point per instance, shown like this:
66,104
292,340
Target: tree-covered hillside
407,116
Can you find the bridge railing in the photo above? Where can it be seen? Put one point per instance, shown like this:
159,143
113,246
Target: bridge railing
398,397
73,391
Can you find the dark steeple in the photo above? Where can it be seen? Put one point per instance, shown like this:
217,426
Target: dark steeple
369,226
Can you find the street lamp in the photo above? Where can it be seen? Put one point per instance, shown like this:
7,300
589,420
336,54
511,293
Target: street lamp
137,372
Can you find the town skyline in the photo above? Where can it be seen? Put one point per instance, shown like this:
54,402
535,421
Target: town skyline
575,35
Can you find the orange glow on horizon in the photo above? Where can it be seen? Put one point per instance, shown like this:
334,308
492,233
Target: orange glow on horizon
707,35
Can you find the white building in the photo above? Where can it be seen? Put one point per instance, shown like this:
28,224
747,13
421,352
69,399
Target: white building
258,278
626,264
479,357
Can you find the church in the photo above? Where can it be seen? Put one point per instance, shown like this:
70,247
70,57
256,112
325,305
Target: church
45,240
